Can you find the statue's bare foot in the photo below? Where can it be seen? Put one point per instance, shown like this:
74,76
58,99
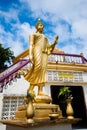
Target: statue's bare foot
42,94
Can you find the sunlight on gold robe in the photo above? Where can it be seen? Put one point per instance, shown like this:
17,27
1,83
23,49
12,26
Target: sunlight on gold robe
41,50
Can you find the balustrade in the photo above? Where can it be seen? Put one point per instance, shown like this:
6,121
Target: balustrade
67,58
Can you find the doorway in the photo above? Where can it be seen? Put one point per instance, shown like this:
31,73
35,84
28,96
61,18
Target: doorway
78,103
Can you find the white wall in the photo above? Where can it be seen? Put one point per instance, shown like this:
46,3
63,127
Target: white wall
18,87
84,77
53,127
2,127
1,103
85,94
85,87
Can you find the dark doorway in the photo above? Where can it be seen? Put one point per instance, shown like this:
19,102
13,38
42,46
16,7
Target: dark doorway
78,103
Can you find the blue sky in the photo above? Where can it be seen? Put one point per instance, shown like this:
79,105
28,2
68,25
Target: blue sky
65,18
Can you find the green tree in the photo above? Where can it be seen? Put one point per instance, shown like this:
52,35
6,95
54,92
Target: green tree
6,56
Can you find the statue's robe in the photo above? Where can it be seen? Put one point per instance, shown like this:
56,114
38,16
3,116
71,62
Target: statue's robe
40,52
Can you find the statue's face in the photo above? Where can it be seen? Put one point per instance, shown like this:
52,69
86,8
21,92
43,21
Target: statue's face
40,28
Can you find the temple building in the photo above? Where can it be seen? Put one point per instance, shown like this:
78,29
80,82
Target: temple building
63,70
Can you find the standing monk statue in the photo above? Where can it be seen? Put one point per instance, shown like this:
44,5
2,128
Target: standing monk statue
38,55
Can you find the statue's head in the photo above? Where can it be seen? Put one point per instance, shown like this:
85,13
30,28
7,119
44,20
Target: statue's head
39,22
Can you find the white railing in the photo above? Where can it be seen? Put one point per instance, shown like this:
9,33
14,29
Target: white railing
65,59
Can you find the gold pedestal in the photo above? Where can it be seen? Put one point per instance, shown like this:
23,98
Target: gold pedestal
42,111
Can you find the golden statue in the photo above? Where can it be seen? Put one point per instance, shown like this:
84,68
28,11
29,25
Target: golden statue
38,108
38,55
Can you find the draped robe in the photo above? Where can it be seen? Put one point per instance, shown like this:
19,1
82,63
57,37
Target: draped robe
40,52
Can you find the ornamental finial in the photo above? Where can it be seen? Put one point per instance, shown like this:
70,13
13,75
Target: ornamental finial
39,22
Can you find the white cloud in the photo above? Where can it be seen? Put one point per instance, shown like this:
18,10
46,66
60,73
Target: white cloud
79,28
23,31
17,37
16,41
72,13
10,15
61,8
7,39
63,32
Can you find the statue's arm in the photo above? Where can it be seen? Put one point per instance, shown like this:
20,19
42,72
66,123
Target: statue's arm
31,40
52,46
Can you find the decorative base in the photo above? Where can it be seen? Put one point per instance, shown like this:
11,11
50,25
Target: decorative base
58,124
42,111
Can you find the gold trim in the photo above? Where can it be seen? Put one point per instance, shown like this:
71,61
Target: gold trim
71,67
67,83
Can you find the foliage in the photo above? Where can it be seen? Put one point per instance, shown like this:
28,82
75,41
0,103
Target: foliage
65,92
6,56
